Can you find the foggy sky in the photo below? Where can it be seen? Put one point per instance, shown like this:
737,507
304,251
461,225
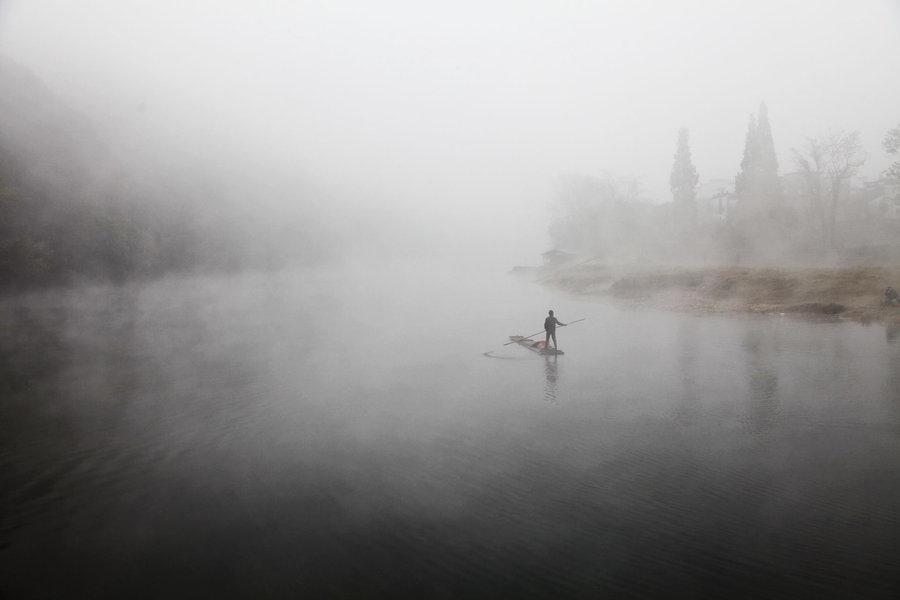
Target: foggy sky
467,110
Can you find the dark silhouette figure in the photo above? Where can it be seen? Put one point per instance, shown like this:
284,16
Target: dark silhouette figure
550,324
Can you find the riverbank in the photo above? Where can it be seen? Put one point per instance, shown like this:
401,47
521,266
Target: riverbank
841,293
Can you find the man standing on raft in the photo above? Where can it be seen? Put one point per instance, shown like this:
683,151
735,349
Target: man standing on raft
550,324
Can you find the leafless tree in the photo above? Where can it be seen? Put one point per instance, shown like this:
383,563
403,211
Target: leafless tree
892,146
828,161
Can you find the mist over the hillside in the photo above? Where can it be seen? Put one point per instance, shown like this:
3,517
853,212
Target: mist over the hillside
257,339
446,128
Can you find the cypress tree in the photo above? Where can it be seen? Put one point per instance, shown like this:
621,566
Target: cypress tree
757,184
769,183
683,181
744,180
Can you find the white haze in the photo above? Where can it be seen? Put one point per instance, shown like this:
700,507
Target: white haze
459,117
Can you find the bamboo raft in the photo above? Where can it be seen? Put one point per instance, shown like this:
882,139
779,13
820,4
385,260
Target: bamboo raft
539,347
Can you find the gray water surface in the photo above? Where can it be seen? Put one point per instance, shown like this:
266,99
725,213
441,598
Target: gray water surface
340,433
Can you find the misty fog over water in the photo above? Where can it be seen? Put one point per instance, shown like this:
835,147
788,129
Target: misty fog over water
257,282
338,432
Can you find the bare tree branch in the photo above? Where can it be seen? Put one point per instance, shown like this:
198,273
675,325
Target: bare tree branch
828,161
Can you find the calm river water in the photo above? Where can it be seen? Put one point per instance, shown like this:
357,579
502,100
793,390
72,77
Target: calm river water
339,433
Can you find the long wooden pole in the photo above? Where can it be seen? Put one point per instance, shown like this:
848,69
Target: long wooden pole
543,330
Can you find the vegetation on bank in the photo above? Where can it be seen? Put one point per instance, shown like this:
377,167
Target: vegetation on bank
72,208
841,237
50,236
856,293
811,209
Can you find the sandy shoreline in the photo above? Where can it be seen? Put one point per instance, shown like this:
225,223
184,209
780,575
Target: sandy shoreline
840,293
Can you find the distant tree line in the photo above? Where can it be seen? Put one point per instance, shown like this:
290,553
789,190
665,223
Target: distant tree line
71,209
809,215
76,226
57,232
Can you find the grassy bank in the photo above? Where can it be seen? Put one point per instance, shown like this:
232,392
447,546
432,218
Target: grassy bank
845,293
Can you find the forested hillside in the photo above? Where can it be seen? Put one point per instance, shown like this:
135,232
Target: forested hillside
72,209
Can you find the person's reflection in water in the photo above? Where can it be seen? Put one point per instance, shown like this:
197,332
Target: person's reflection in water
762,378
552,375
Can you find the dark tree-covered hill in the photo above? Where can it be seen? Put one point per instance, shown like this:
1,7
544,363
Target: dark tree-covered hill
71,209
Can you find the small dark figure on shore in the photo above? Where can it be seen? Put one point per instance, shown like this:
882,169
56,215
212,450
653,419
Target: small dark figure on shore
891,296
550,324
